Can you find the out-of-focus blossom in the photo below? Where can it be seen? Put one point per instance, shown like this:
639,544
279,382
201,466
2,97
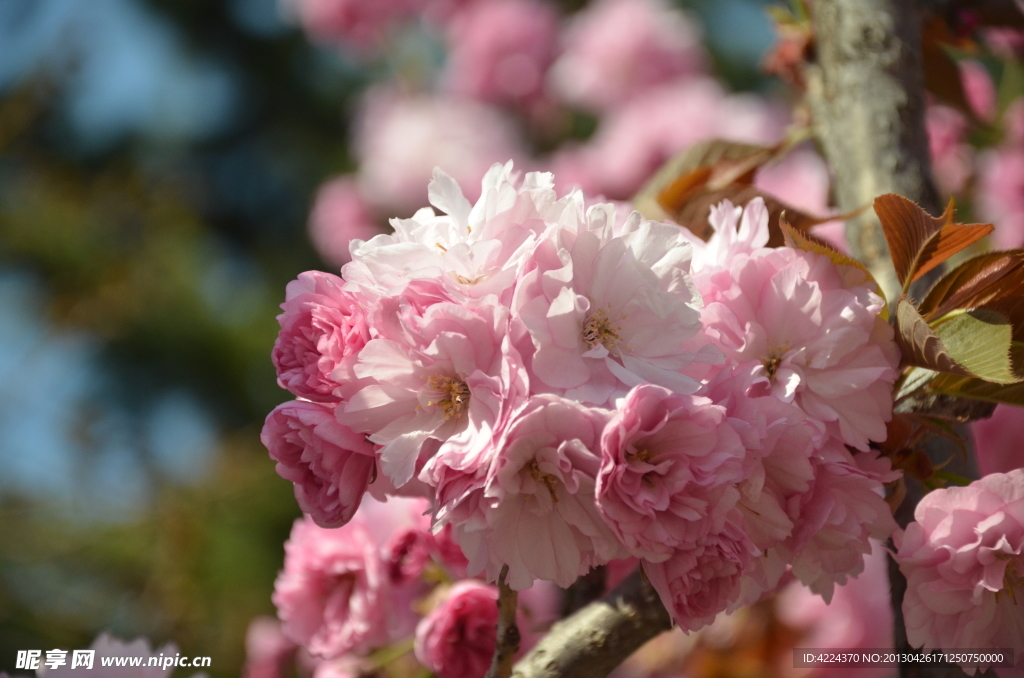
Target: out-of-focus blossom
859,616
400,139
322,329
500,50
329,464
107,646
979,89
1005,42
358,25
267,650
997,441
346,666
339,215
1001,194
635,139
952,156
614,49
457,639
332,596
963,558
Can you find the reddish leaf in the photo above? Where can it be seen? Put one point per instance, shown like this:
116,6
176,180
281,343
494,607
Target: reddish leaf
941,72
976,282
918,242
920,345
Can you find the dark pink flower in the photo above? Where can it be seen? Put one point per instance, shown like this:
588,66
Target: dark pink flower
457,639
322,330
330,464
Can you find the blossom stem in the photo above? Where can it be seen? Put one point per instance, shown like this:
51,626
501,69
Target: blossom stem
508,632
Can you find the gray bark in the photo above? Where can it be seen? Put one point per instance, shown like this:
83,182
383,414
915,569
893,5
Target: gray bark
598,637
866,93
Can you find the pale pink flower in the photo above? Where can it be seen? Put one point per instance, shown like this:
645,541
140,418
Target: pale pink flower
267,650
500,50
401,138
339,215
346,666
466,252
107,646
607,312
329,464
669,468
332,596
457,639
536,513
1004,41
1001,194
810,330
704,578
859,616
997,441
614,49
635,139
355,24
952,156
963,558
838,517
322,330
448,380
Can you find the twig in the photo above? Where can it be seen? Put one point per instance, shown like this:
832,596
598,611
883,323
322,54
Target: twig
508,632
597,638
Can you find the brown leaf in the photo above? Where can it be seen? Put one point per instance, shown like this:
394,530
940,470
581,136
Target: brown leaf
941,72
921,347
977,282
918,242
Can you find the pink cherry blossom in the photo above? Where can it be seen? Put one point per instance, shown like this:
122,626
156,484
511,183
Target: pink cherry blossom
339,215
809,329
267,650
354,24
536,512
457,639
996,441
322,329
614,49
963,558
669,466
466,252
400,139
500,50
449,380
838,517
606,312
330,465
700,581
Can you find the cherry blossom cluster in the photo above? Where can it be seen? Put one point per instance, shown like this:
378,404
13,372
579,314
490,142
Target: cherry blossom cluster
564,384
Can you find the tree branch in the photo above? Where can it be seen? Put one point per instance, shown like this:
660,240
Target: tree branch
508,632
599,637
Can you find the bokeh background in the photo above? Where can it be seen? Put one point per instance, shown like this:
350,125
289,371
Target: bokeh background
167,166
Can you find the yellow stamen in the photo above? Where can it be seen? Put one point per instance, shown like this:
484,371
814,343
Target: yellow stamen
549,480
598,330
455,396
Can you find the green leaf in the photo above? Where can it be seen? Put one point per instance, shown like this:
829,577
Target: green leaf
920,345
980,341
978,389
